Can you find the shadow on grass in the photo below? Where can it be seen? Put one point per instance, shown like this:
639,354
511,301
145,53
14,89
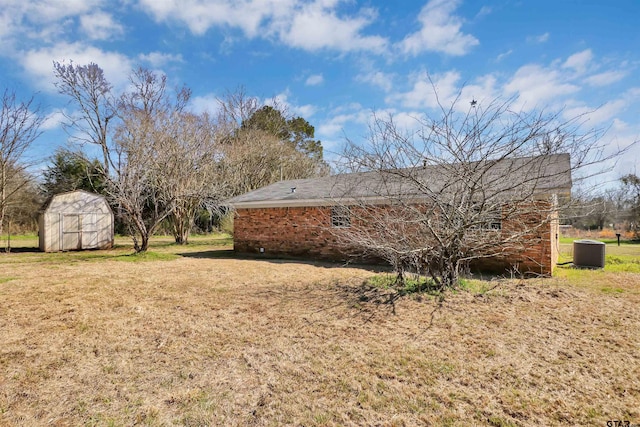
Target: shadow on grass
20,250
366,293
32,255
218,253
35,249
374,300
230,254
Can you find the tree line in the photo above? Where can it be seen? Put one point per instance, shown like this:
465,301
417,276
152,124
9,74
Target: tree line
619,208
159,163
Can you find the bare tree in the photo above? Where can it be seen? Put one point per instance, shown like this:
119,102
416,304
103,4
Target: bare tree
192,154
256,158
139,184
234,108
631,190
90,91
594,211
19,127
261,144
21,210
167,165
466,186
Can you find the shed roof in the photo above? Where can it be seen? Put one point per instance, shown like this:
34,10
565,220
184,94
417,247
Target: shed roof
76,201
539,174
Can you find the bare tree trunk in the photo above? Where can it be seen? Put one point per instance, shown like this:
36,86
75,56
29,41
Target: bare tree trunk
3,204
181,229
181,221
144,244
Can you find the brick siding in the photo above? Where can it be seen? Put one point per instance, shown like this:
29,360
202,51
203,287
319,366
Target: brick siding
296,232
304,232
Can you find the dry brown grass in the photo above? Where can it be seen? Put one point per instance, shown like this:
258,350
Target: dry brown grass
225,341
606,233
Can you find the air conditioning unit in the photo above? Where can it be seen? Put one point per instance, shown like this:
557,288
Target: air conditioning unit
588,253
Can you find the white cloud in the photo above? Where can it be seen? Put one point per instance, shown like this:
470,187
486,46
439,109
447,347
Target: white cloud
531,86
8,21
100,26
350,122
484,11
406,121
607,112
446,90
307,25
542,38
377,78
605,78
199,16
53,120
484,89
54,10
336,124
619,137
159,59
39,63
579,61
305,111
47,11
504,55
341,118
440,31
536,86
205,104
429,90
282,102
316,26
314,80
596,116
39,20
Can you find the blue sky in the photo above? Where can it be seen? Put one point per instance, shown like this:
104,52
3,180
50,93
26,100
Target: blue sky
335,61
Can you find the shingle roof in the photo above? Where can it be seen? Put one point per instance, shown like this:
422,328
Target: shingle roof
540,175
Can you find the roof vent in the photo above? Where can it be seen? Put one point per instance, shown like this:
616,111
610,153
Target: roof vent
293,189
588,253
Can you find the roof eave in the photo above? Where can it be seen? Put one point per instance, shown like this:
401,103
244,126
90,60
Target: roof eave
373,200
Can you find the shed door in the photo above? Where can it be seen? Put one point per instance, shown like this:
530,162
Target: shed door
71,232
89,230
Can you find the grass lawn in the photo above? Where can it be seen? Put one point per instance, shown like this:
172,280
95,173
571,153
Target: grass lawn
195,336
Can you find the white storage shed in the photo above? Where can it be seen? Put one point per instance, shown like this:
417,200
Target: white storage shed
75,221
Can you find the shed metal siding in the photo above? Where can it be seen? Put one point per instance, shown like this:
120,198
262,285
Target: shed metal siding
75,221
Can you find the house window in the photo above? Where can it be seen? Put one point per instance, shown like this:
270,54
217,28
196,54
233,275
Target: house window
489,220
495,224
340,216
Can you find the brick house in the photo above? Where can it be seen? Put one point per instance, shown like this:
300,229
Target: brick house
299,218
